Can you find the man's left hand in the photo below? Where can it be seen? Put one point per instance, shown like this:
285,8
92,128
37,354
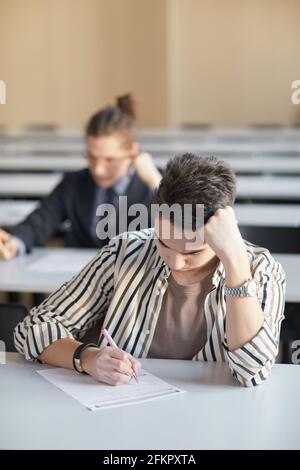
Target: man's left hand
146,169
222,234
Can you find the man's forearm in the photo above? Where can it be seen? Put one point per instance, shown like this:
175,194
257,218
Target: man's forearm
60,353
244,316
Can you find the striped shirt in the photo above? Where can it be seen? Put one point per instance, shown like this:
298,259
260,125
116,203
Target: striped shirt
124,285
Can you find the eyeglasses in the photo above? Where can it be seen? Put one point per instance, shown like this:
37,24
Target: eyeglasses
108,161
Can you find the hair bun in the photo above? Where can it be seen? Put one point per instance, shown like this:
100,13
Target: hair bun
126,104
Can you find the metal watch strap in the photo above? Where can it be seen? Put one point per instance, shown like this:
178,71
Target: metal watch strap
235,292
247,289
77,354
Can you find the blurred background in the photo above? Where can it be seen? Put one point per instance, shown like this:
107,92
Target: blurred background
207,62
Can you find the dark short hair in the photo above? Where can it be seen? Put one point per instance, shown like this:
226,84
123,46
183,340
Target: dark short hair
117,119
190,179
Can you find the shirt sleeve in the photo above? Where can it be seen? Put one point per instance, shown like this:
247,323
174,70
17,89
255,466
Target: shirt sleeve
44,221
251,364
71,310
21,246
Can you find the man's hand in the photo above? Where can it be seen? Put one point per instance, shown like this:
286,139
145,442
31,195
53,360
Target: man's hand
222,234
147,170
109,365
8,245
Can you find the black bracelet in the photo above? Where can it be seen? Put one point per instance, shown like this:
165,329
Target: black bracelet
77,354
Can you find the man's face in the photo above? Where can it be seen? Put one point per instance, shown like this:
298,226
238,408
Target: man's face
175,248
108,159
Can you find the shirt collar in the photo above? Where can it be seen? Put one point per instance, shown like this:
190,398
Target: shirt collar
122,184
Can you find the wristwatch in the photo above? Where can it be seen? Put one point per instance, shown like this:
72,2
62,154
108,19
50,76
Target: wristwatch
77,356
247,289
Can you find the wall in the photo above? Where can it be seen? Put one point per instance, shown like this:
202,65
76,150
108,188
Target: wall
234,61
222,62
63,59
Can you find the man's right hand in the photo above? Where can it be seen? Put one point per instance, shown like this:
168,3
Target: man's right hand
109,365
8,245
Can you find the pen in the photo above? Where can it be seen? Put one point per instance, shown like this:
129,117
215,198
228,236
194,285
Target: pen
113,344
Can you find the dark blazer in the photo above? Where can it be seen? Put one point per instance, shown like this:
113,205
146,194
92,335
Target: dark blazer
73,200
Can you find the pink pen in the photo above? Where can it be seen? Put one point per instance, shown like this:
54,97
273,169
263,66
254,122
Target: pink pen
113,345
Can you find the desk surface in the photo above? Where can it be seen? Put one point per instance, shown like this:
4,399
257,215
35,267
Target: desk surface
18,275
291,266
276,132
28,185
283,133
215,413
248,187
268,215
268,187
168,145
217,147
268,165
13,212
272,215
43,163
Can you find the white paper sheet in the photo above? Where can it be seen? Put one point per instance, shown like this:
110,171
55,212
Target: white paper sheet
60,262
95,396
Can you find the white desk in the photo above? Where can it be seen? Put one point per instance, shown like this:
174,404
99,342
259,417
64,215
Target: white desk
268,187
45,163
291,265
42,163
13,212
242,134
222,149
285,133
268,215
49,134
269,165
18,275
18,148
254,165
255,137
28,185
144,132
170,146
215,413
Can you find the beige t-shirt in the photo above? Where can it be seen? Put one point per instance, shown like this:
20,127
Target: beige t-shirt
181,330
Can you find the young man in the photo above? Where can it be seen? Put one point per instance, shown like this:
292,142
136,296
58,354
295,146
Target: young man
219,300
115,168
